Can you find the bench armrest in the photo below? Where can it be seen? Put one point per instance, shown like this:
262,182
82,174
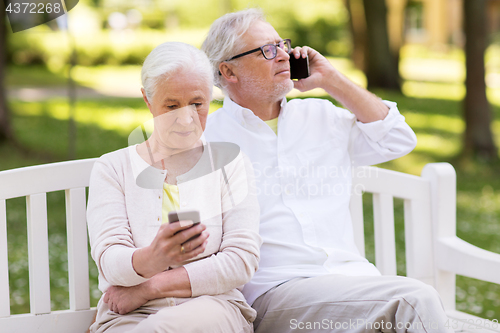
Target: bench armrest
456,255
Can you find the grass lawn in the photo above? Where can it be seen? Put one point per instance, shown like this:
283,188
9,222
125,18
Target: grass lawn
103,125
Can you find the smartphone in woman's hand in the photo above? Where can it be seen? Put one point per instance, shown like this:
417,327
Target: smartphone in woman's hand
182,215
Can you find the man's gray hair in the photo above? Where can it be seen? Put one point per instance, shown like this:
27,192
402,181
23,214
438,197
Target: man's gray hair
167,58
224,36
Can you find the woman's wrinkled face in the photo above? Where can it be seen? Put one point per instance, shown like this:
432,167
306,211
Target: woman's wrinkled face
180,107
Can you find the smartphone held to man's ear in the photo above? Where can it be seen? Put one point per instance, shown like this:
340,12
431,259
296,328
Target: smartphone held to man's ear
299,68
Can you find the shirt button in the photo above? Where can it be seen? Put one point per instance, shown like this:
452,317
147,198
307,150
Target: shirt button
158,219
184,203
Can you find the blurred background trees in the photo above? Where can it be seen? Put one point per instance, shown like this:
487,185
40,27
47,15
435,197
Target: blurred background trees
374,34
371,51
5,127
478,138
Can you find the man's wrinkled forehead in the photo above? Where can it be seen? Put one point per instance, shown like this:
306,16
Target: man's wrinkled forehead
260,33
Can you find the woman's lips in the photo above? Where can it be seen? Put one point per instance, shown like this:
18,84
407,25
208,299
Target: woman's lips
184,133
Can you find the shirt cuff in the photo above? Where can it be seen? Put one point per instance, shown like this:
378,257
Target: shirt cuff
376,130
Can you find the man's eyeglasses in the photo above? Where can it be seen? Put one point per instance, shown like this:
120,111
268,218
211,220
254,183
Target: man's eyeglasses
269,51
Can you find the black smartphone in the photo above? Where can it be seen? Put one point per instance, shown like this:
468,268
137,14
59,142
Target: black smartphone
180,215
299,68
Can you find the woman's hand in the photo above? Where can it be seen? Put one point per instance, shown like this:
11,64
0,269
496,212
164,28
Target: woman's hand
171,283
170,247
123,300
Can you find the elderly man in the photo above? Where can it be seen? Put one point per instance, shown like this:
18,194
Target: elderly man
311,276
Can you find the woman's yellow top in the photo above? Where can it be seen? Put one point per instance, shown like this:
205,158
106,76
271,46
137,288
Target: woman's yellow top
170,201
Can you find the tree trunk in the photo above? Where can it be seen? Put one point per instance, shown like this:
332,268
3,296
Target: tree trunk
477,113
357,25
5,128
381,65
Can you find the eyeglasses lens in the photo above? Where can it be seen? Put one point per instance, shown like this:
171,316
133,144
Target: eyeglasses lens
271,50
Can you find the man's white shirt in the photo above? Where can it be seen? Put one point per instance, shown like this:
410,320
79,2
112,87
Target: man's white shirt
303,177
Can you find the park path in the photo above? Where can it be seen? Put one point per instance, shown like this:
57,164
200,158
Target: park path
37,94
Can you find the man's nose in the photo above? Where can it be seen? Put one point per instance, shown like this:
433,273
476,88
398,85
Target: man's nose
282,55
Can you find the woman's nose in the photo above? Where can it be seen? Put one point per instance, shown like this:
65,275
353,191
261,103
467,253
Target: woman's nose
185,116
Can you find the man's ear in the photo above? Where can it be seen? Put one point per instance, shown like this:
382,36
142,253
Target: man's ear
227,71
145,98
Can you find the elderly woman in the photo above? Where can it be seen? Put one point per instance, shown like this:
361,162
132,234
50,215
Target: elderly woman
158,276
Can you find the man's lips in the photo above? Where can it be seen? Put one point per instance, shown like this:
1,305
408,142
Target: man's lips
283,71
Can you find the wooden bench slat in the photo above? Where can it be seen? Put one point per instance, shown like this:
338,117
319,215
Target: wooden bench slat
38,253
419,242
78,265
4,263
397,184
45,178
66,321
385,240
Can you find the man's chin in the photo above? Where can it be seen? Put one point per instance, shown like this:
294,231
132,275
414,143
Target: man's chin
283,88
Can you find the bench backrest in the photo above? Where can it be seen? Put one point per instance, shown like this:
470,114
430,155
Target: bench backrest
73,177
33,183
385,185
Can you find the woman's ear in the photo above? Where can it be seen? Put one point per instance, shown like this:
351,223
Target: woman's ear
145,98
227,71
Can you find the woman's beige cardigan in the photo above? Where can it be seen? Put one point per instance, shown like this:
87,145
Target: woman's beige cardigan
123,216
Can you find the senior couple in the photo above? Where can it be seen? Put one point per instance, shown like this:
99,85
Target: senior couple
182,276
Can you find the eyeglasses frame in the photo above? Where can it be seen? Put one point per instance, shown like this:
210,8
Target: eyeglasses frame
262,50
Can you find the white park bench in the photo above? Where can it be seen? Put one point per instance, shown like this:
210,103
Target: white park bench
434,254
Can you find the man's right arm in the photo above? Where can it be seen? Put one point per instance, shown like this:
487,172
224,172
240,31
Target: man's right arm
366,106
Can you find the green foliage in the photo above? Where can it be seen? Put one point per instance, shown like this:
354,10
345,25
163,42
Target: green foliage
318,23
322,25
38,76
53,48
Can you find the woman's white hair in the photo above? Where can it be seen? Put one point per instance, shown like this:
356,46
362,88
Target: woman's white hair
170,57
223,38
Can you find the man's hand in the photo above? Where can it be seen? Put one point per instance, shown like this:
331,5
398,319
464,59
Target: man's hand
123,300
365,106
322,72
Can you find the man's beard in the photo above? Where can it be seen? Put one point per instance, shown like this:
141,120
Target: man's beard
261,89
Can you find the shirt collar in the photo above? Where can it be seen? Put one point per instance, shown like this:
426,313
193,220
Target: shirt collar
241,114
284,109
